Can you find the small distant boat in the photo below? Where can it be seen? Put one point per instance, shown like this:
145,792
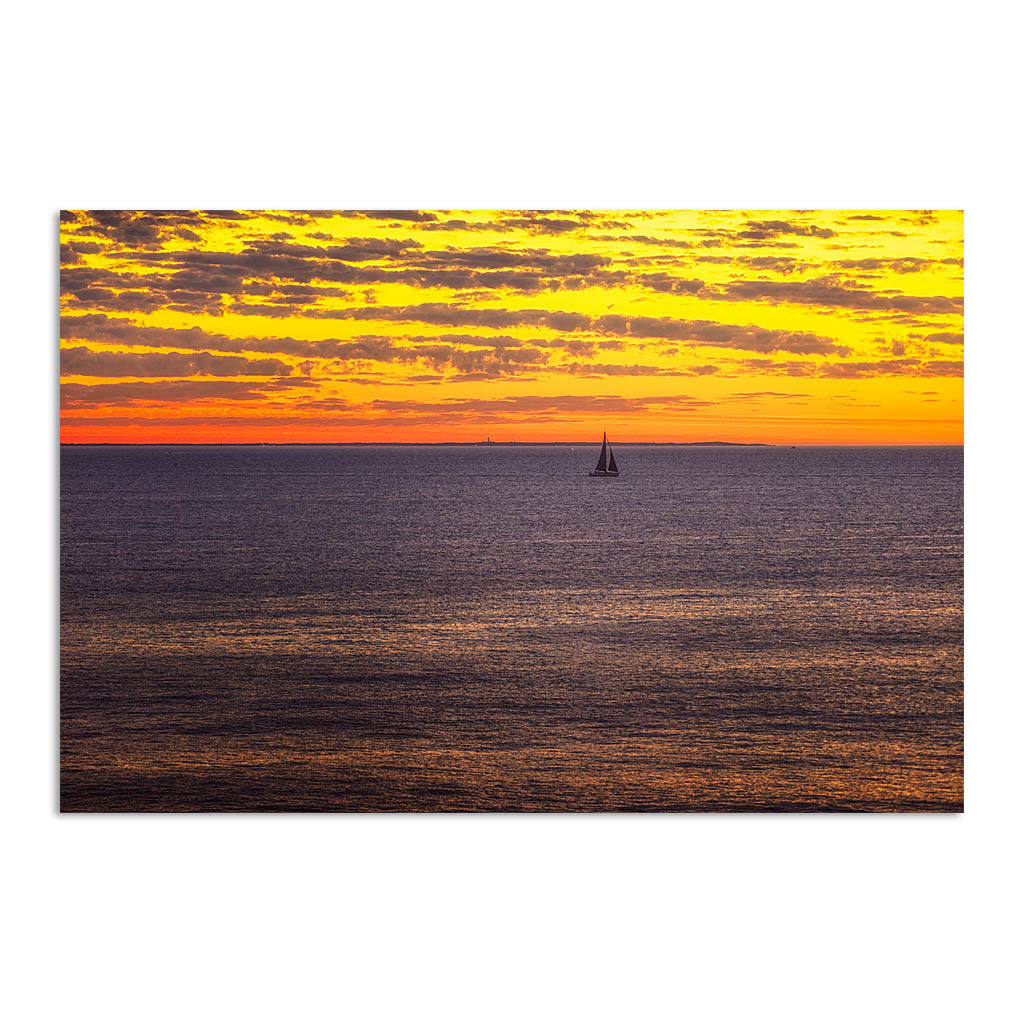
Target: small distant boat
606,463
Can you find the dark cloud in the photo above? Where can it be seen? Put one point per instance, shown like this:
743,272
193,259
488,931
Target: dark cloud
71,252
410,215
294,219
278,310
203,279
335,411
837,292
69,256
146,228
748,395
721,335
668,283
260,280
760,233
776,264
502,352
96,327
539,225
494,356
338,412
893,368
489,356
162,392
494,258
667,243
900,265
458,225
84,362
773,228
536,222
906,367
630,370
557,404
352,250
152,262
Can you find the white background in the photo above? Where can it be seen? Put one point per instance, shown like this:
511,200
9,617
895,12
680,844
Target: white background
493,918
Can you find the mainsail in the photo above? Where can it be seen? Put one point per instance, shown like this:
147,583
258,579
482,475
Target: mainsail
606,464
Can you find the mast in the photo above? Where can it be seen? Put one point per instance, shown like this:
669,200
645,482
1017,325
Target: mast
602,463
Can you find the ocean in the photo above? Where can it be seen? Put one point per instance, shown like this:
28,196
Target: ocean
459,628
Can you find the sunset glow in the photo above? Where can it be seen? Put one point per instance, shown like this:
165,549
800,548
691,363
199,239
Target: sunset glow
808,327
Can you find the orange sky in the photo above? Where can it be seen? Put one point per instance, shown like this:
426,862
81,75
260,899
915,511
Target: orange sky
812,327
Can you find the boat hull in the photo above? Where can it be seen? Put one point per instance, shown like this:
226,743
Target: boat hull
604,472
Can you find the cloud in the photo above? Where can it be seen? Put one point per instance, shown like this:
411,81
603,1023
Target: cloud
625,370
922,218
149,228
85,362
410,215
720,335
206,278
905,367
97,327
264,279
773,228
777,264
708,332
502,353
896,265
337,411
493,356
280,267
835,291
666,243
749,395
558,404
761,233
540,225
165,392
669,283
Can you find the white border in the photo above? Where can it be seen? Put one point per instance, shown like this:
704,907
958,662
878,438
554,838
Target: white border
799,918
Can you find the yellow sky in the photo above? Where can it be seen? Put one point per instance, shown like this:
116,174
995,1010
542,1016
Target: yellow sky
815,327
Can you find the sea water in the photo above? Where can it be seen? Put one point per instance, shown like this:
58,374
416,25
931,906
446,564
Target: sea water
413,628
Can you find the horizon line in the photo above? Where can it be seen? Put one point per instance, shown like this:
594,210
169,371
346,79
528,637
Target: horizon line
495,444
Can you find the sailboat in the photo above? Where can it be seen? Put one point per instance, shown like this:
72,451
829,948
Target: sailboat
606,463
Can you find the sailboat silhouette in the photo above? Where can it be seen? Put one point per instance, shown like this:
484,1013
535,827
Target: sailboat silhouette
606,463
